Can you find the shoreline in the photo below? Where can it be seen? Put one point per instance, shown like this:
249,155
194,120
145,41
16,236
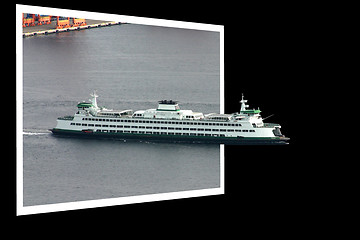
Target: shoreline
46,29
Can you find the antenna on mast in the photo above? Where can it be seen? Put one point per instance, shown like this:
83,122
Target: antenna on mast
243,105
93,100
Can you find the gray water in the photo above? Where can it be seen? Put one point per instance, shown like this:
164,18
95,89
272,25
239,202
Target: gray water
132,67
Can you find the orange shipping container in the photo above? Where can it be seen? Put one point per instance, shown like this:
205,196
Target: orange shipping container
79,22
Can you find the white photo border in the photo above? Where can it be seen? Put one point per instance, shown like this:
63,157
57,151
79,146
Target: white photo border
25,210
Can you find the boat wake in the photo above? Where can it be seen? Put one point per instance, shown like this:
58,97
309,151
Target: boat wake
34,132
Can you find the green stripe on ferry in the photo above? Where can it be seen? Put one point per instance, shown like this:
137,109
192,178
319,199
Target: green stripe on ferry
251,111
84,105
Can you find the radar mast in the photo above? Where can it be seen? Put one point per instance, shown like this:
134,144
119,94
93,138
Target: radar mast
243,105
93,99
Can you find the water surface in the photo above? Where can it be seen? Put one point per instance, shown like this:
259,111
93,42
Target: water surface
132,67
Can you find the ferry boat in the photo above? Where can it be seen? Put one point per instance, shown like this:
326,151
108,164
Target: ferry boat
168,122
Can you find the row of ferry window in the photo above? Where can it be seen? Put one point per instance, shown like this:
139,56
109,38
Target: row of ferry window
163,128
161,122
164,133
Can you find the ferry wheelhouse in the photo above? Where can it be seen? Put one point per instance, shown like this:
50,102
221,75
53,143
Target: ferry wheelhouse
168,122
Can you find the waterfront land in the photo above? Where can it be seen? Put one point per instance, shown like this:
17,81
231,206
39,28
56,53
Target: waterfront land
51,28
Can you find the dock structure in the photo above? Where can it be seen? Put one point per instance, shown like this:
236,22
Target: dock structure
53,27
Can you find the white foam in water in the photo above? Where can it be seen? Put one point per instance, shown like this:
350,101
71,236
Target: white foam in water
35,132
31,133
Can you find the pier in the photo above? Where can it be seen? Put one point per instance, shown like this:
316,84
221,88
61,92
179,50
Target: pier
52,27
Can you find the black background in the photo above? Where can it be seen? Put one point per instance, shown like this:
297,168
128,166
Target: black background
263,49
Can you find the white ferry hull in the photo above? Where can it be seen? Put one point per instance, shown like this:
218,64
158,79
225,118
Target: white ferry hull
172,138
